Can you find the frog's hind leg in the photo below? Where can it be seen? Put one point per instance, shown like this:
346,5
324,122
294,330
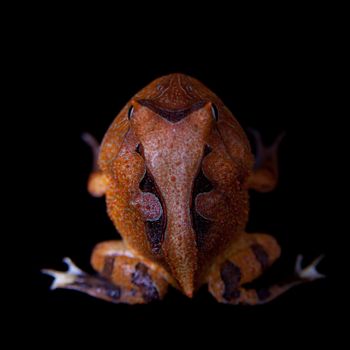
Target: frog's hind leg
247,261
97,183
265,175
122,277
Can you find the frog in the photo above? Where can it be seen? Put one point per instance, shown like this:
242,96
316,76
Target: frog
176,168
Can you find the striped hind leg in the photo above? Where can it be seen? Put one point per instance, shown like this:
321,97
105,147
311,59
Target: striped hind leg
122,277
248,259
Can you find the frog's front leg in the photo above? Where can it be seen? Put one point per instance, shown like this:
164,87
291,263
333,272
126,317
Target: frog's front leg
264,177
122,277
97,183
247,261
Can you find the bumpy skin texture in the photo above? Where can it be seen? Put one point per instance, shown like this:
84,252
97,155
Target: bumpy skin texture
174,154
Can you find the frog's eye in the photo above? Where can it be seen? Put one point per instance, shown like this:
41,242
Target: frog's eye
214,112
130,112
139,149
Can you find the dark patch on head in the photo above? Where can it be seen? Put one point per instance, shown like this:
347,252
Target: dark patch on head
260,254
142,279
263,294
172,115
154,229
108,266
231,276
201,225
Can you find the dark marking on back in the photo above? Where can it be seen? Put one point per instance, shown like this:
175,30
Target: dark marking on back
261,255
155,233
108,266
154,229
142,279
172,115
148,184
231,276
201,225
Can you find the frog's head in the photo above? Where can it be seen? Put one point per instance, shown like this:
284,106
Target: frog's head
177,161
174,97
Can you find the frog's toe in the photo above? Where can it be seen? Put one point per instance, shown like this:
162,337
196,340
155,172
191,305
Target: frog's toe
308,273
63,279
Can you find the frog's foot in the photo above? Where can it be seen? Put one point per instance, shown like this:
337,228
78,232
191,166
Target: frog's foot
76,279
265,175
121,277
63,279
308,273
97,183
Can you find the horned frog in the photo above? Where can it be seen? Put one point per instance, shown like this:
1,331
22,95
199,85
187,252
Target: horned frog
175,167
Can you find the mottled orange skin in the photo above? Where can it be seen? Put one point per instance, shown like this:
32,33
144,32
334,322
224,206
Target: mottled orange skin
173,152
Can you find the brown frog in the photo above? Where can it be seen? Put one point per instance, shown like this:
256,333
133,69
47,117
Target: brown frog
176,167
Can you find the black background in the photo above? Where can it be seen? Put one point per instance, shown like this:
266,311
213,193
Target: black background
275,77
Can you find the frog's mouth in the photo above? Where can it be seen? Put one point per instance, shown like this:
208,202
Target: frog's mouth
173,97
172,115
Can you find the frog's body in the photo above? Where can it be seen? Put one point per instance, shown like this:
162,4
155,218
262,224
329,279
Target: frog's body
176,167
